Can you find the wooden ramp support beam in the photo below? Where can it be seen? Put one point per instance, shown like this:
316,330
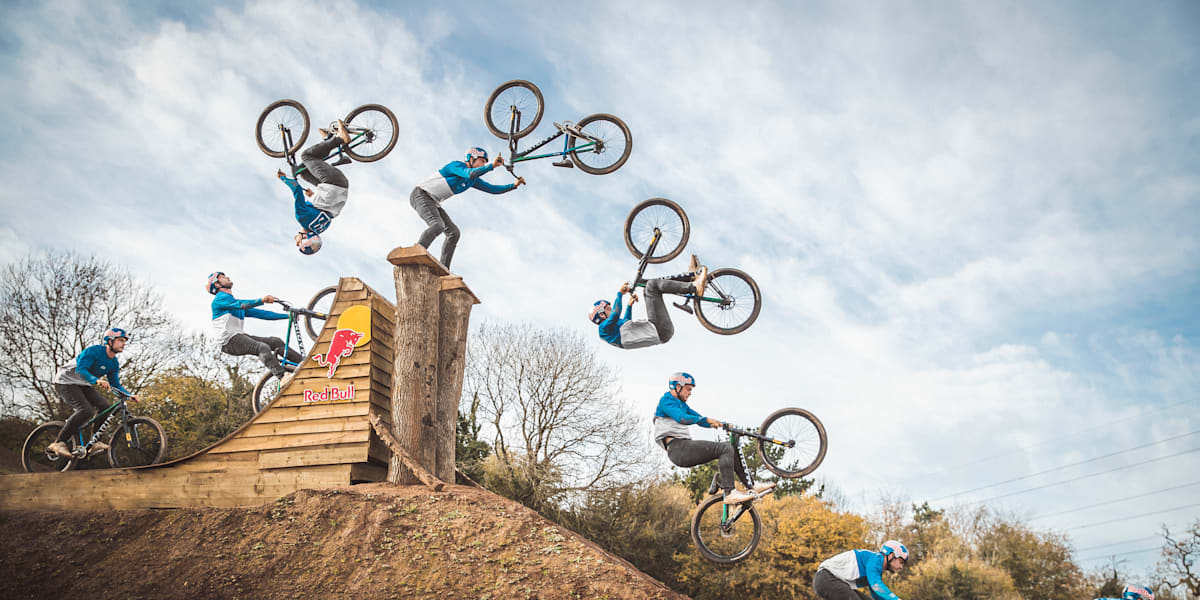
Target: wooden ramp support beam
432,313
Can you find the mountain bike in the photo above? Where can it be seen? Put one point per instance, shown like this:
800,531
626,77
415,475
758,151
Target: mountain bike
791,443
135,441
283,126
598,144
314,315
655,232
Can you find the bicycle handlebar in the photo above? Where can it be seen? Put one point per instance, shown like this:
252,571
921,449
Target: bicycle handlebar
299,311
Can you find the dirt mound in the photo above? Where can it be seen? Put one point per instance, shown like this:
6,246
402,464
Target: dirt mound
375,541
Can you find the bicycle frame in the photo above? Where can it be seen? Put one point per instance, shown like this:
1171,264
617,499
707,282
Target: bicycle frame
362,137
640,282
515,156
293,324
108,415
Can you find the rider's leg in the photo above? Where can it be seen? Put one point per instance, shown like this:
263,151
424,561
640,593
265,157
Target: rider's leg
427,209
242,345
690,453
313,158
829,587
451,240
656,309
277,346
84,400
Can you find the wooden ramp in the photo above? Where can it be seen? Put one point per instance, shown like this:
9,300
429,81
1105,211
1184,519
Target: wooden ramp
298,442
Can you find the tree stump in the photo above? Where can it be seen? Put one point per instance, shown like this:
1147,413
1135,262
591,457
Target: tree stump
415,365
454,313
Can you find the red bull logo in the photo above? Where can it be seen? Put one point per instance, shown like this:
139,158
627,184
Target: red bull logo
341,346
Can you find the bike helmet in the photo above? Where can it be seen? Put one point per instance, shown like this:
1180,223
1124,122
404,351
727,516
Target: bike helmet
600,311
681,379
114,333
1137,592
310,244
213,286
473,153
893,547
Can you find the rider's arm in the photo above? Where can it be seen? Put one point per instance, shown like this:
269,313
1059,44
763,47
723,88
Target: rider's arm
879,590
115,381
612,324
84,363
297,191
480,184
265,314
680,412
228,302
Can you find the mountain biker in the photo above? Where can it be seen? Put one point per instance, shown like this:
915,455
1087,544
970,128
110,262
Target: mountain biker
454,178
624,332
671,421
837,577
1134,592
229,315
331,189
73,384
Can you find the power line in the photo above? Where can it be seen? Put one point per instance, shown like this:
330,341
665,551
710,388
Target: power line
1055,439
1063,512
1128,517
1076,464
1048,485
1119,554
1152,537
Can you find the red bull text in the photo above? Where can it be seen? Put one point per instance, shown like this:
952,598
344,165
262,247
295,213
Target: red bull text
329,394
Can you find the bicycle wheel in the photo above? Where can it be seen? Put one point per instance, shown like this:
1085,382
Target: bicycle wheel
277,116
793,425
34,456
721,542
378,129
661,214
521,95
731,302
267,390
321,302
610,152
142,441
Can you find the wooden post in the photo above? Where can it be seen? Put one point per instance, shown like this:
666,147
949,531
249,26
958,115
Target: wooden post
455,311
414,368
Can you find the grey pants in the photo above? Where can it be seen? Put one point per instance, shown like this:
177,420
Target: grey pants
829,587
438,221
689,453
656,309
265,347
318,171
85,400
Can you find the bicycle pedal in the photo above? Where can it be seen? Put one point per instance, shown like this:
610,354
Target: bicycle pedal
566,162
344,160
684,307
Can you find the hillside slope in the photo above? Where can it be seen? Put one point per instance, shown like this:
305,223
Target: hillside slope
373,541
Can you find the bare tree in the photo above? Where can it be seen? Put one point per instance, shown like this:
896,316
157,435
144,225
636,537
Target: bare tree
551,410
1180,562
53,305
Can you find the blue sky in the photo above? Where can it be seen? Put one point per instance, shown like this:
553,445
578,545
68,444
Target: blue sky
975,226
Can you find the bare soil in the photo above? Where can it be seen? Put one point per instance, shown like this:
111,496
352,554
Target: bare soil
374,541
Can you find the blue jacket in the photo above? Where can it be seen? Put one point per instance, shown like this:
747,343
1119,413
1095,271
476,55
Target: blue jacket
229,313
456,177
610,328
312,219
94,363
672,418
861,568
